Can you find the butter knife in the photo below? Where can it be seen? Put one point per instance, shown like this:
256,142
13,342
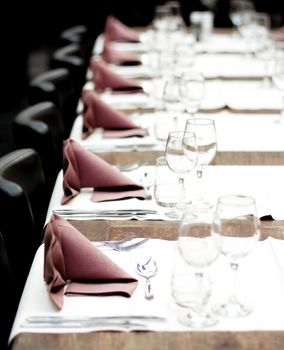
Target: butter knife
99,319
104,212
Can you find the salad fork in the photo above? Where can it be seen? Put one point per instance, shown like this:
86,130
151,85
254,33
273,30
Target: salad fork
123,244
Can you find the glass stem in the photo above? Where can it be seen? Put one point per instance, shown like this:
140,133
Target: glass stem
282,108
233,289
199,305
199,174
181,202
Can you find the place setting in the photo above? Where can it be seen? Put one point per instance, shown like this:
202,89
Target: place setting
101,127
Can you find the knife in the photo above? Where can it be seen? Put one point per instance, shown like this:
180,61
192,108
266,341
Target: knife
89,321
98,319
69,211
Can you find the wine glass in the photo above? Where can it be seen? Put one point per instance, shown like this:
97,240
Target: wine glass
181,156
197,248
265,51
171,96
278,81
166,187
235,232
192,90
206,140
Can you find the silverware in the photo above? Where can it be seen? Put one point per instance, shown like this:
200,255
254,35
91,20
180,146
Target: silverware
130,246
147,268
89,321
104,213
102,319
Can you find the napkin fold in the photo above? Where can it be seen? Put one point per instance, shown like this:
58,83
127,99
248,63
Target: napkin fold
115,30
110,55
74,266
97,113
82,168
105,77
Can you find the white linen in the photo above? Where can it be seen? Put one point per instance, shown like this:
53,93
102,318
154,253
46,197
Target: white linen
240,95
97,142
229,66
223,43
242,132
261,283
122,46
264,183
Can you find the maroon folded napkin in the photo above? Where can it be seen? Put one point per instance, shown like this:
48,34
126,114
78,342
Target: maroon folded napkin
117,31
110,55
97,113
82,168
104,77
74,266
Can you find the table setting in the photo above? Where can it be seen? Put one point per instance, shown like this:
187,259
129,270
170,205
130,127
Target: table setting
187,258
38,314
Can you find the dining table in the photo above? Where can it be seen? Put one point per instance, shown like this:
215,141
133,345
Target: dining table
246,160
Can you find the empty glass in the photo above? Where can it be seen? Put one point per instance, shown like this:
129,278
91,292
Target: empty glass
181,156
165,123
166,187
206,140
197,248
278,81
192,90
235,233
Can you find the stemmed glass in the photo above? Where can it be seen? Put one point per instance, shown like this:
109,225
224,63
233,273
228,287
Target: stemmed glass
181,156
206,140
171,96
192,90
197,248
278,81
265,52
235,232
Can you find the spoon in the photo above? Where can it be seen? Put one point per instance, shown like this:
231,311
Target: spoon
147,268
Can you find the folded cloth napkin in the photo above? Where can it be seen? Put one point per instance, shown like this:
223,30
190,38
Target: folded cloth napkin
74,266
115,30
110,55
97,113
104,77
82,168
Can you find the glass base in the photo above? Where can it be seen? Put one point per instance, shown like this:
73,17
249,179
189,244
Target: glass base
232,310
195,320
201,205
175,214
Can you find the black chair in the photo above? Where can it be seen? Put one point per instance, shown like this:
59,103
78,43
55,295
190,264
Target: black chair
8,300
80,35
72,57
55,85
23,209
41,127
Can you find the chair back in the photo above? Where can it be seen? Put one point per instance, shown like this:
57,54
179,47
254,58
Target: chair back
8,299
55,85
72,57
41,127
80,35
23,209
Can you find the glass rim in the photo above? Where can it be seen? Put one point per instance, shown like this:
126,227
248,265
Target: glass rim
200,121
182,133
236,200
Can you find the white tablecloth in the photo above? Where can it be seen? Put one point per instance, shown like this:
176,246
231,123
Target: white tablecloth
261,283
264,183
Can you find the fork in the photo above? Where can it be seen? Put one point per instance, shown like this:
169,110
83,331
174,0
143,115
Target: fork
118,242
120,245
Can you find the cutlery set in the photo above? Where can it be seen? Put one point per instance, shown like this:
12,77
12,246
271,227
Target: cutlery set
104,213
70,321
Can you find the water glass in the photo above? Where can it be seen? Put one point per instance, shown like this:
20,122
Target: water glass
166,187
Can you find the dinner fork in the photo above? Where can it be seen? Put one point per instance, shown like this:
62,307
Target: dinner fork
123,245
